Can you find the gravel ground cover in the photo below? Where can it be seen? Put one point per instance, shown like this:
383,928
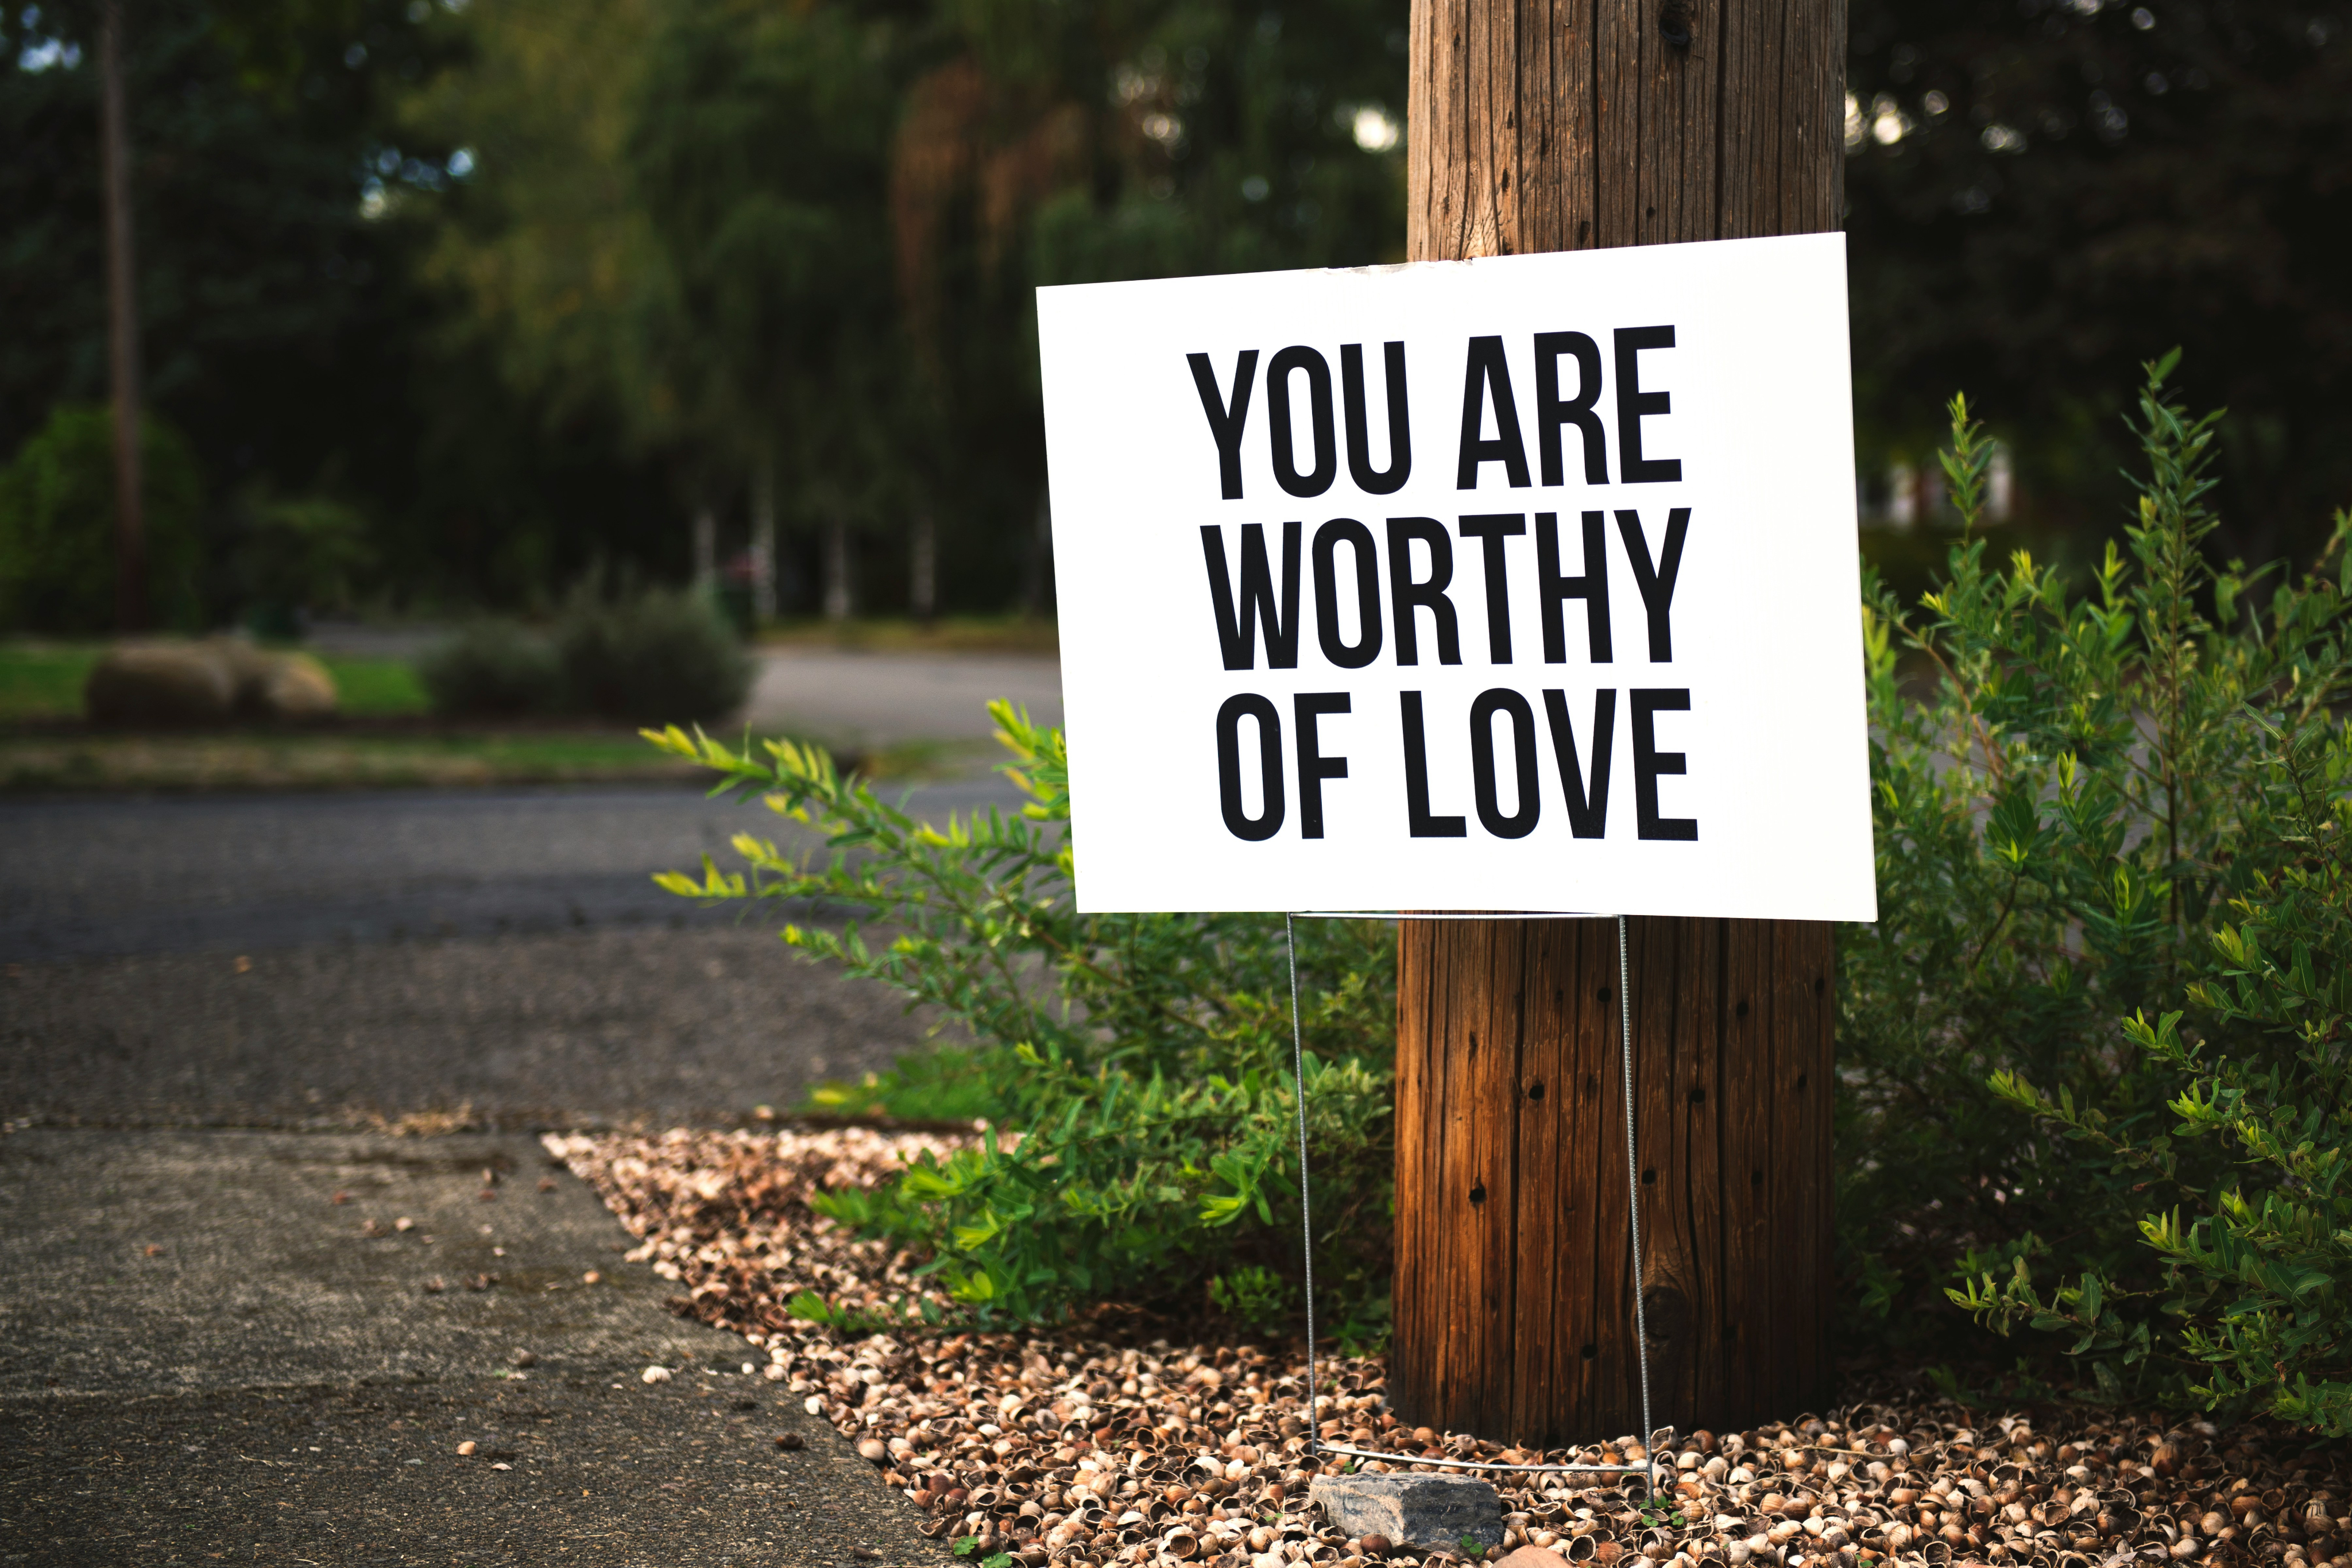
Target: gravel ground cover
1106,1444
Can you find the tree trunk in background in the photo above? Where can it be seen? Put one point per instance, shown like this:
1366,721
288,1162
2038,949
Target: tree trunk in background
1537,126
763,540
706,551
1037,570
923,584
836,570
122,330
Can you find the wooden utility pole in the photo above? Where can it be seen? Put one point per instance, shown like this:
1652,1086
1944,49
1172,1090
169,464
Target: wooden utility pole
123,330
1540,125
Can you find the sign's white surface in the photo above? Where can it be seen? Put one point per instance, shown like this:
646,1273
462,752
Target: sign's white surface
1525,583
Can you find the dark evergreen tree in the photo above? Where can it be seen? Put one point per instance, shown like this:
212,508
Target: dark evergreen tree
2045,193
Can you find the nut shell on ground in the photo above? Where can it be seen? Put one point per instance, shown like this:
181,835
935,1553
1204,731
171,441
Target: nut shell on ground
1098,1446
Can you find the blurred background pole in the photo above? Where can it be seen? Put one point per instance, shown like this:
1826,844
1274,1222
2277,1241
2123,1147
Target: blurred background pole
1533,126
763,540
706,550
923,583
123,330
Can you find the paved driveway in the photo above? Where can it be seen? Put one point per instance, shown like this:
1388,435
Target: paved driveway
881,699
357,959
114,876
222,1347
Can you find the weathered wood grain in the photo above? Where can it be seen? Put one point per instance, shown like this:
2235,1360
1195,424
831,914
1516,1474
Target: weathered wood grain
1514,1315
1542,125
1566,124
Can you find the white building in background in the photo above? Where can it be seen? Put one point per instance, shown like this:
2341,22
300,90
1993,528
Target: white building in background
1904,495
2000,485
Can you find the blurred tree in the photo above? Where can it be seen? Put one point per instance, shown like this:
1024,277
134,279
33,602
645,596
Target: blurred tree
759,152
289,328
2045,193
551,438
271,305
810,237
532,283
1089,141
564,281
57,537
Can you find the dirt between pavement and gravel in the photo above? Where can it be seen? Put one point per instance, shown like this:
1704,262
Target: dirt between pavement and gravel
223,1345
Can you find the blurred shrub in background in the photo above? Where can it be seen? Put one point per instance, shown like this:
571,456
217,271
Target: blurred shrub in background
295,556
650,657
57,521
493,669
634,656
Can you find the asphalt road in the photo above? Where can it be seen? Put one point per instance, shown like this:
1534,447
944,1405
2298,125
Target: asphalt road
880,699
497,958
102,877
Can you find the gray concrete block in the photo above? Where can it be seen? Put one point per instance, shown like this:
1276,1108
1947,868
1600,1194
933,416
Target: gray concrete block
1424,1513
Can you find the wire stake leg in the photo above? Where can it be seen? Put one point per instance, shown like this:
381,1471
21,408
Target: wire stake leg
1648,1469
1305,1221
1633,1177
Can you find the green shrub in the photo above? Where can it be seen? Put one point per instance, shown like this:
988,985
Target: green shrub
298,554
652,656
2092,809
493,669
58,518
2104,803
1135,1068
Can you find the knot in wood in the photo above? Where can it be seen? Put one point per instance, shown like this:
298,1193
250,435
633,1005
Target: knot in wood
1674,17
1667,1314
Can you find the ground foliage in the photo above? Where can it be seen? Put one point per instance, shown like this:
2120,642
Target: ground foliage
2112,809
1144,1059
2099,810
1102,1442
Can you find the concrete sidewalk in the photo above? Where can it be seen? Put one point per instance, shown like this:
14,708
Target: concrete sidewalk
204,1355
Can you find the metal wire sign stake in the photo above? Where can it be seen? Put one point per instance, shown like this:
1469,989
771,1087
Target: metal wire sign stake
1648,1469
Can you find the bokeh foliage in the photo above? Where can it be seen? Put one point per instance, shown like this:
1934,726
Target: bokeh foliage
2044,193
504,278
57,526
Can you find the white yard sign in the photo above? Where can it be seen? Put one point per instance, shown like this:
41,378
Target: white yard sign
1525,583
